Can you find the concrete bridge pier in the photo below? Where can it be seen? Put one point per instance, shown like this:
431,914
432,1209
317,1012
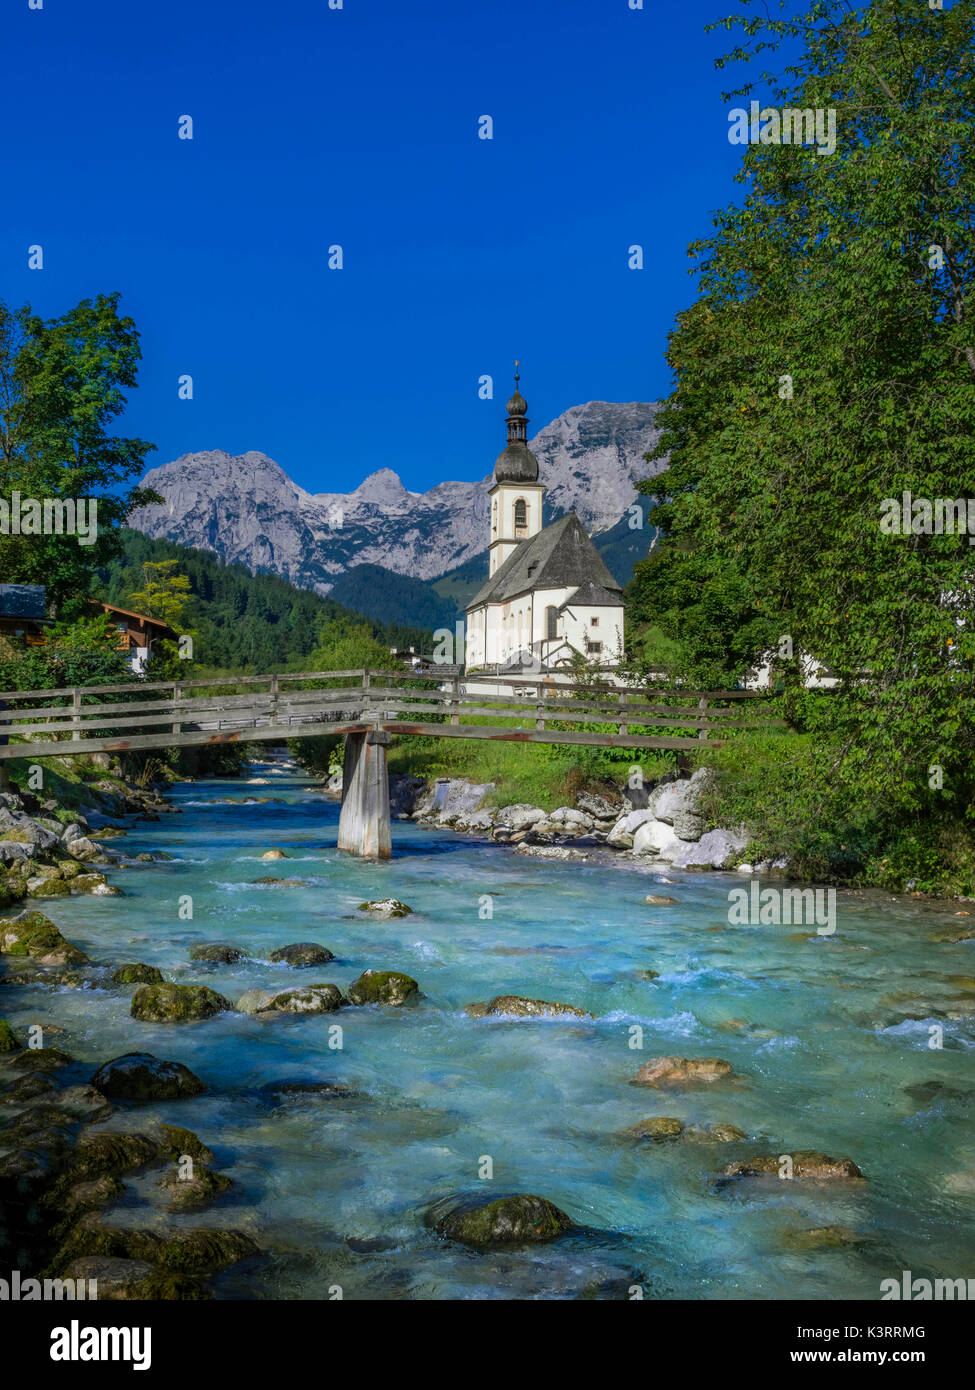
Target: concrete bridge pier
364,818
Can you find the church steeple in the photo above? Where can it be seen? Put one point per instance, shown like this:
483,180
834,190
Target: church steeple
517,416
516,496
516,463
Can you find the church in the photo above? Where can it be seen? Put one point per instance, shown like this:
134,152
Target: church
548,596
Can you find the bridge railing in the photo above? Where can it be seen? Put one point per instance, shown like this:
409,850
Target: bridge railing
156,714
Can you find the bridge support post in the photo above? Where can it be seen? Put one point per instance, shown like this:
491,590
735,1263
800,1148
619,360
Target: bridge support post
364,818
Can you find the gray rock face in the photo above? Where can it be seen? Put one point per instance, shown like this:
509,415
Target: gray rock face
671,798
518,817
247,509
712,851
17,828
622,833
452,801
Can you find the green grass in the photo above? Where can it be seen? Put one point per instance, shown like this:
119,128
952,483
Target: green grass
546,775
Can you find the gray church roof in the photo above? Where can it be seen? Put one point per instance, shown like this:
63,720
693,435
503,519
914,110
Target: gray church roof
559,557
593,596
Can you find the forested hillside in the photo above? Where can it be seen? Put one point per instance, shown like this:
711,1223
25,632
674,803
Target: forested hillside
241,621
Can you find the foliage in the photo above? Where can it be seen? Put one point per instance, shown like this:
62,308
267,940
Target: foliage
242,623
826,275
62,383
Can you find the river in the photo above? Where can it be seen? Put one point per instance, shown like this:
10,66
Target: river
817,1028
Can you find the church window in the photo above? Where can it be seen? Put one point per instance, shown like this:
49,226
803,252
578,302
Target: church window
594,622
521,515
551,623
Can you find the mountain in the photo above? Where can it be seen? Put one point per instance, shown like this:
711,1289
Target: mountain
247,510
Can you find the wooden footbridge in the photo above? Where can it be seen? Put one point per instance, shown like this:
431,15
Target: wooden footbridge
367,708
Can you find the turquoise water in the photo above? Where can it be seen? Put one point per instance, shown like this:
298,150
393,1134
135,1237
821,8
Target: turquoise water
334,1188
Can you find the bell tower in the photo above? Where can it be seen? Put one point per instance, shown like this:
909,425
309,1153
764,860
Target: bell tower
516,495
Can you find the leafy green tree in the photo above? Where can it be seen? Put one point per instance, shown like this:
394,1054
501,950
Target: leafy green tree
62,383
827,365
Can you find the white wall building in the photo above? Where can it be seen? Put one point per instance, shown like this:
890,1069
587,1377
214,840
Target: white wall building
548,594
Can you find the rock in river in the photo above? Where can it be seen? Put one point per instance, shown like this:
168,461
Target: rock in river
513,1219
36,935
177,1003
806,1163
137,974
386,907
139,1076
302,953
309,999
681,1071
515,1006
383,987
218,953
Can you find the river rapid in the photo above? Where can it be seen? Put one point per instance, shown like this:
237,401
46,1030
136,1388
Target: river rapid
825,1035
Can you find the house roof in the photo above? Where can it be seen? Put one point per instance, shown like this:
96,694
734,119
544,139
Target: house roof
127,613
593,596
559,557
23,601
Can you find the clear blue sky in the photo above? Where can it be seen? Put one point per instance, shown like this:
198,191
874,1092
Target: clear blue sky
359,127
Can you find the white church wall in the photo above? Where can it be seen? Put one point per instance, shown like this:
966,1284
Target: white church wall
596,632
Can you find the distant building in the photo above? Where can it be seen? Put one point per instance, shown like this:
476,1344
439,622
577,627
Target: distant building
137,633
24,618
549,596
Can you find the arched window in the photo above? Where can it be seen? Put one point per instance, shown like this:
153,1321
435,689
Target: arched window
551,623
521,515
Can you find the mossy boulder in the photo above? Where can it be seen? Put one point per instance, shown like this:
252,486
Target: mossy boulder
682,1071
205,1251
48,888
822,1238
111,1153
90,1237
138,1076
194,1193
176,1142
386,907
217,953
82,1198
137,974
383,987
302,954
659,900
806,1163
517,1006
36,936
120,1280
177,1003
96,884
311,999
41,1059
8,1038
658,1128
255,1001
512,1219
